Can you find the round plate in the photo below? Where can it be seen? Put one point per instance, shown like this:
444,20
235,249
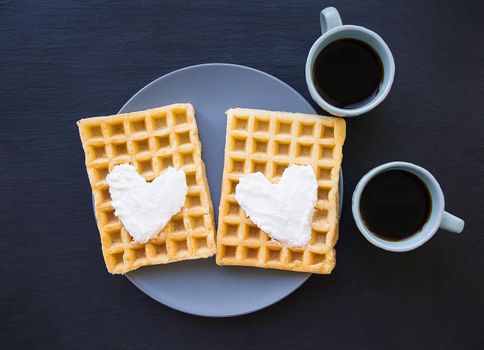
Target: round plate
201,287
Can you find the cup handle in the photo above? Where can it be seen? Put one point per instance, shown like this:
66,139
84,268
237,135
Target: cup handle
451,223
330,19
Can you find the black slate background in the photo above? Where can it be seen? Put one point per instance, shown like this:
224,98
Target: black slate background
62,60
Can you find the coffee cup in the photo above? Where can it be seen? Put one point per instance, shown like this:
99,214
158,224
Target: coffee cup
436,217
365,91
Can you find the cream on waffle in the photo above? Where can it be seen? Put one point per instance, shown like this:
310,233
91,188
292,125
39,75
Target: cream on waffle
269,142
152,141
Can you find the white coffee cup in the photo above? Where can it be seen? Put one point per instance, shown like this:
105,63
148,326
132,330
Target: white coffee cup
439,218
333,29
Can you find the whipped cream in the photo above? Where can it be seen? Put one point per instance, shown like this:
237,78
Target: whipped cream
145,208
283,210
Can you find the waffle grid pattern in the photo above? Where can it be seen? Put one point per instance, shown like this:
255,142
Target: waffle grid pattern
269,142
151,140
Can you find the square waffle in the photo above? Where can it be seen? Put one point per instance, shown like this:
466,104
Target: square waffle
151,140
270,142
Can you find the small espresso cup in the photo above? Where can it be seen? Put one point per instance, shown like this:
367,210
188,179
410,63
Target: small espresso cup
333,29
438,218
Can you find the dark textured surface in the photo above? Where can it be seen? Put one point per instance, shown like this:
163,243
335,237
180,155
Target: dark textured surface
62,60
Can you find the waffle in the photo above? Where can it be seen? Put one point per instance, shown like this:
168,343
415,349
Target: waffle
269,142
151,140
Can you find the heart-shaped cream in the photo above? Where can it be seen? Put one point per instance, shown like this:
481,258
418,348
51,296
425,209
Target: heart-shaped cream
143,207
283,210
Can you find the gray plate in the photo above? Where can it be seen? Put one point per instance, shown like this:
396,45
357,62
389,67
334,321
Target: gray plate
200,287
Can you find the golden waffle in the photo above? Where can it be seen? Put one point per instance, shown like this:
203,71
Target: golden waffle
151,140
270,142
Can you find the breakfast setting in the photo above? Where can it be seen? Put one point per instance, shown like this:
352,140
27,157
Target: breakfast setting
279,202
218,190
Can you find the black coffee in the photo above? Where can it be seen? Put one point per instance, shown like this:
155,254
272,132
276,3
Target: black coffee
348,73
395,204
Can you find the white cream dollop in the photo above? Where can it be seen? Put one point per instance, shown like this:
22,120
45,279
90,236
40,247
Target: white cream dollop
283,210
144,208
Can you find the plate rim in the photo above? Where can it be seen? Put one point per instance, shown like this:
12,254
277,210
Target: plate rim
146,290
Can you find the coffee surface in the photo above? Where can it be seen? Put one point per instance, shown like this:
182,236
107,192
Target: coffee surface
348,73
395,204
